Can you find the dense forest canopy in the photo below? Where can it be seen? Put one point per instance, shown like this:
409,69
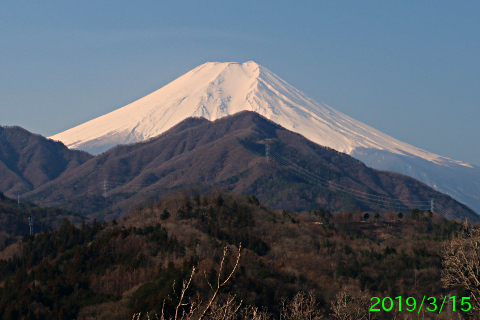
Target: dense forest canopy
137,264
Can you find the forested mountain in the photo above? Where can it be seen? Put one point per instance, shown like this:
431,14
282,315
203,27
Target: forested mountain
14,219
231,153
218,89
29,160
137,264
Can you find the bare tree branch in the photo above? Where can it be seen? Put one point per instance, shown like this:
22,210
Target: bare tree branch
185,285
219,283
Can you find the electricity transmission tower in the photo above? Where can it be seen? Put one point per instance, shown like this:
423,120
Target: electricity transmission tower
30,223
105,186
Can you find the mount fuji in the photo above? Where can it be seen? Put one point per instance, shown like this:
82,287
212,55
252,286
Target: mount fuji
214,90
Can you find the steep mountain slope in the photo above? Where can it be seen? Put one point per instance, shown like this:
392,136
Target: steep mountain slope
215,90
460,181
229,152
28,160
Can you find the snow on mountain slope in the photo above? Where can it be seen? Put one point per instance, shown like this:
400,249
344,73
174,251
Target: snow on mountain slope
214,90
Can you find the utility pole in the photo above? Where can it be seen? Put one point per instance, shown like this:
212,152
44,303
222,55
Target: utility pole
432,206
18,200
267,152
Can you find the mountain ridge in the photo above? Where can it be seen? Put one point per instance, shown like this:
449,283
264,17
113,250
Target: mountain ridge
29,160
214,82
229,153
215,89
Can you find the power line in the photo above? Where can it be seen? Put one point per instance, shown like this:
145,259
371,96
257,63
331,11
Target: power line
303,173
246,162
341,187
381,201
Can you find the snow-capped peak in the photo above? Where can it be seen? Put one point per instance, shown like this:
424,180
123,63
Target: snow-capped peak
217,89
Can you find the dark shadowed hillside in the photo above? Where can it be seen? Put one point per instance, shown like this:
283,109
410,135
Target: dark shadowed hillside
231,153
28,160
14,219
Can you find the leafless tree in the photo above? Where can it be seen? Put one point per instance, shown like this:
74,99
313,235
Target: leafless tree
352,306
461,263
253,313
302,307
221,283
188,308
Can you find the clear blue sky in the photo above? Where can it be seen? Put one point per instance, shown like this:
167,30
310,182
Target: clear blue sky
408,68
